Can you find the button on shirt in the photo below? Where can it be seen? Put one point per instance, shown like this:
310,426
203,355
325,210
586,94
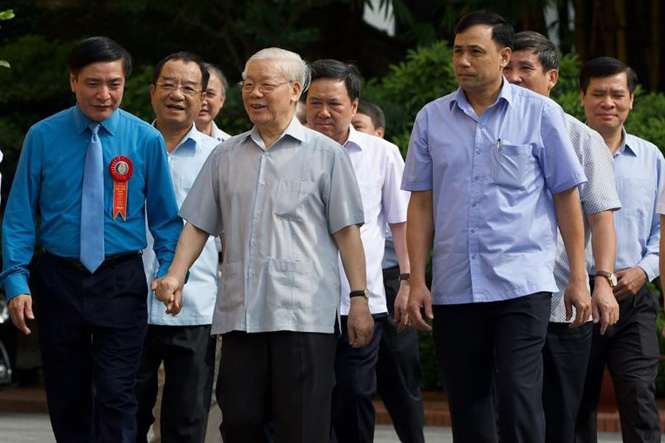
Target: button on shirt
200,292
492,180
598,194
639,171
218,134
48,184
278,209
379,166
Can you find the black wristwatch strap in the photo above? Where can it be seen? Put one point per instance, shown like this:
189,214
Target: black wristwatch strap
404,277
360,293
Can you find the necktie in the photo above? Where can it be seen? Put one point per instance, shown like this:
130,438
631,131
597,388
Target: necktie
92,204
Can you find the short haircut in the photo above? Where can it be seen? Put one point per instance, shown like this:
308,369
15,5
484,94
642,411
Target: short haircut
336,70
502,30
606,67
540,45
184,56
218,72
374,112
292,65
98,49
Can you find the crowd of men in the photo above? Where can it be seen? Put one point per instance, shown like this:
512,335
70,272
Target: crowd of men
303,243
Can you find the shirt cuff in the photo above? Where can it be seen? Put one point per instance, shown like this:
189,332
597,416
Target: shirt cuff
649,265
15,285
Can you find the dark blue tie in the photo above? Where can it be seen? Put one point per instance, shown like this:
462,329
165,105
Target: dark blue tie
92,204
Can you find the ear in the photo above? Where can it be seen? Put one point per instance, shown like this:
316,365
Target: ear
295,92
72,82
505,54
354,107
632,97
222,101
380,132
152,91
552,78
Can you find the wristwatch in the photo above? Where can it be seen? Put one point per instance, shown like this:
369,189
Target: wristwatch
361,293
404,277
611,278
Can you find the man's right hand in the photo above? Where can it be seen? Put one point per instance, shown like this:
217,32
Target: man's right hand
420,297
168,290
604,306
20,309
360,324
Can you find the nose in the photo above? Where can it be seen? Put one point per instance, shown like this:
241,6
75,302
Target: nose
324,112
103,93
512,76
607,102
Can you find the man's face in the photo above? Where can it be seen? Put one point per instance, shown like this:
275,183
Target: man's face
177,96
478,60
273,108
607,102
526,70
363,123
99,88
330,109
212,102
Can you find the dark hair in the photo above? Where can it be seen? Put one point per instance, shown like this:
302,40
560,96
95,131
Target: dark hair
184,56
606,67
540,45
334,69
98,49
502,30
374,112
218,72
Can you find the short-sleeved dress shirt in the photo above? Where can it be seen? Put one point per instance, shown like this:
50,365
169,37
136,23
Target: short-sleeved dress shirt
277,209
492,179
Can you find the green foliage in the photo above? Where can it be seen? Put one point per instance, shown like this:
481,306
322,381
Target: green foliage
6,15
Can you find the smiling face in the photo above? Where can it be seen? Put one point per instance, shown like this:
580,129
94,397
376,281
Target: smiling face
177,97
364,123
212,102
99,88
525,69
271,111
330,109
607,102
478,60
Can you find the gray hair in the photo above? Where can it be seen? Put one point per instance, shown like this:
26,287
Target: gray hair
220,75
292,65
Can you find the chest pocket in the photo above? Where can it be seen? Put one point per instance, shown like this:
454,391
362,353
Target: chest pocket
640,203
291,195
510,164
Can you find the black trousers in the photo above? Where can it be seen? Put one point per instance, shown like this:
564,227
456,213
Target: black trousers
91,333
353,414
630,350
188,353
398,370
565,359
285,376
476,342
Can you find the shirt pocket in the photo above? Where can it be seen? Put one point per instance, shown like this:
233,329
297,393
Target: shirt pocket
232,286
291,194
510,164
289,284
637,196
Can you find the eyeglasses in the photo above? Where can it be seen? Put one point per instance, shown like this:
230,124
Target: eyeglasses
188,90
264,88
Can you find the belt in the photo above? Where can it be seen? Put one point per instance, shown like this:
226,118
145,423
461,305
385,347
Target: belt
109,260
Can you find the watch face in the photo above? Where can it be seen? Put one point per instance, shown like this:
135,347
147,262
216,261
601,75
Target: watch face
613,280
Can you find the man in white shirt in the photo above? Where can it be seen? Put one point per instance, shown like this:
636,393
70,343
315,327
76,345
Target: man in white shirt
332,101
215,96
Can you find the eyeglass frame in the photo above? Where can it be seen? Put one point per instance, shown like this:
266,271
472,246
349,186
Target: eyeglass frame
271,87
170,88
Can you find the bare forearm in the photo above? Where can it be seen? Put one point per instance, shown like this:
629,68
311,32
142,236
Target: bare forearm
353,256
419,233
569,219
603,240
399,242
190,244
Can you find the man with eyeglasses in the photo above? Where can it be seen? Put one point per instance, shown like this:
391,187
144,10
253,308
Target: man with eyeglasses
286,201
213,101
91,174
183,344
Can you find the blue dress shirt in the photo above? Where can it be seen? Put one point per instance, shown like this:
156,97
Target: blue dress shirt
639,168
492,180
48,184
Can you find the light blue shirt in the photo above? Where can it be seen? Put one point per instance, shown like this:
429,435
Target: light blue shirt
200,291
48,183
492,180
640,173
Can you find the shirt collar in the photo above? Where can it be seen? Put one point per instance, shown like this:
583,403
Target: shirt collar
625,147
191,139
82,121
295,130
506,94
354,139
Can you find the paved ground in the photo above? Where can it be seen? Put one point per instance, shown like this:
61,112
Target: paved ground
36,428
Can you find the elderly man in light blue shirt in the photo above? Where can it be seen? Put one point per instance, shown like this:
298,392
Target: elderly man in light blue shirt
492,171
183,344
629,348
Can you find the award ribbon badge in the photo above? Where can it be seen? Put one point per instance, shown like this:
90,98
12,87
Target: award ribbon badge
121,169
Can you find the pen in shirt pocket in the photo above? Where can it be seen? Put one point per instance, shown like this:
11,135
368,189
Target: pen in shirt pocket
498,145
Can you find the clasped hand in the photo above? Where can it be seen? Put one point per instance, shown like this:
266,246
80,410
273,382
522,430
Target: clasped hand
168,290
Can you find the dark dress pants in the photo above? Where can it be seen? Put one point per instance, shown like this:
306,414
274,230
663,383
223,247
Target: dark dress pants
565,359
285,377
630,350
473,341
91,333
353,414
188,353
398,370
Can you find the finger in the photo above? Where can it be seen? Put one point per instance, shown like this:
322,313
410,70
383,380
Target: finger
428,308
569,309
351,331
19,320
603,325
28,309
154,285
595,312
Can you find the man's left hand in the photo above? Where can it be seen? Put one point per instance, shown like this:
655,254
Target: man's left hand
360,323
401,302
577,295
629,282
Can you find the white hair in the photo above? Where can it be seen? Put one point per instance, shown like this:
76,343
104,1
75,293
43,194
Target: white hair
292,65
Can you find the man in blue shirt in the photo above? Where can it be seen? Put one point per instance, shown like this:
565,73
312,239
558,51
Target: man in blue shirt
88,286
629,348
182,343
492,172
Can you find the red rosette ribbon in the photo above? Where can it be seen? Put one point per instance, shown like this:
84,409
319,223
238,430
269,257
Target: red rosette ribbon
121,169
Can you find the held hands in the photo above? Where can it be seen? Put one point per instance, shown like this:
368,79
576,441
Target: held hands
577,295
401,306
420,297
629,282
168,290
604,306
20,309
360,323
